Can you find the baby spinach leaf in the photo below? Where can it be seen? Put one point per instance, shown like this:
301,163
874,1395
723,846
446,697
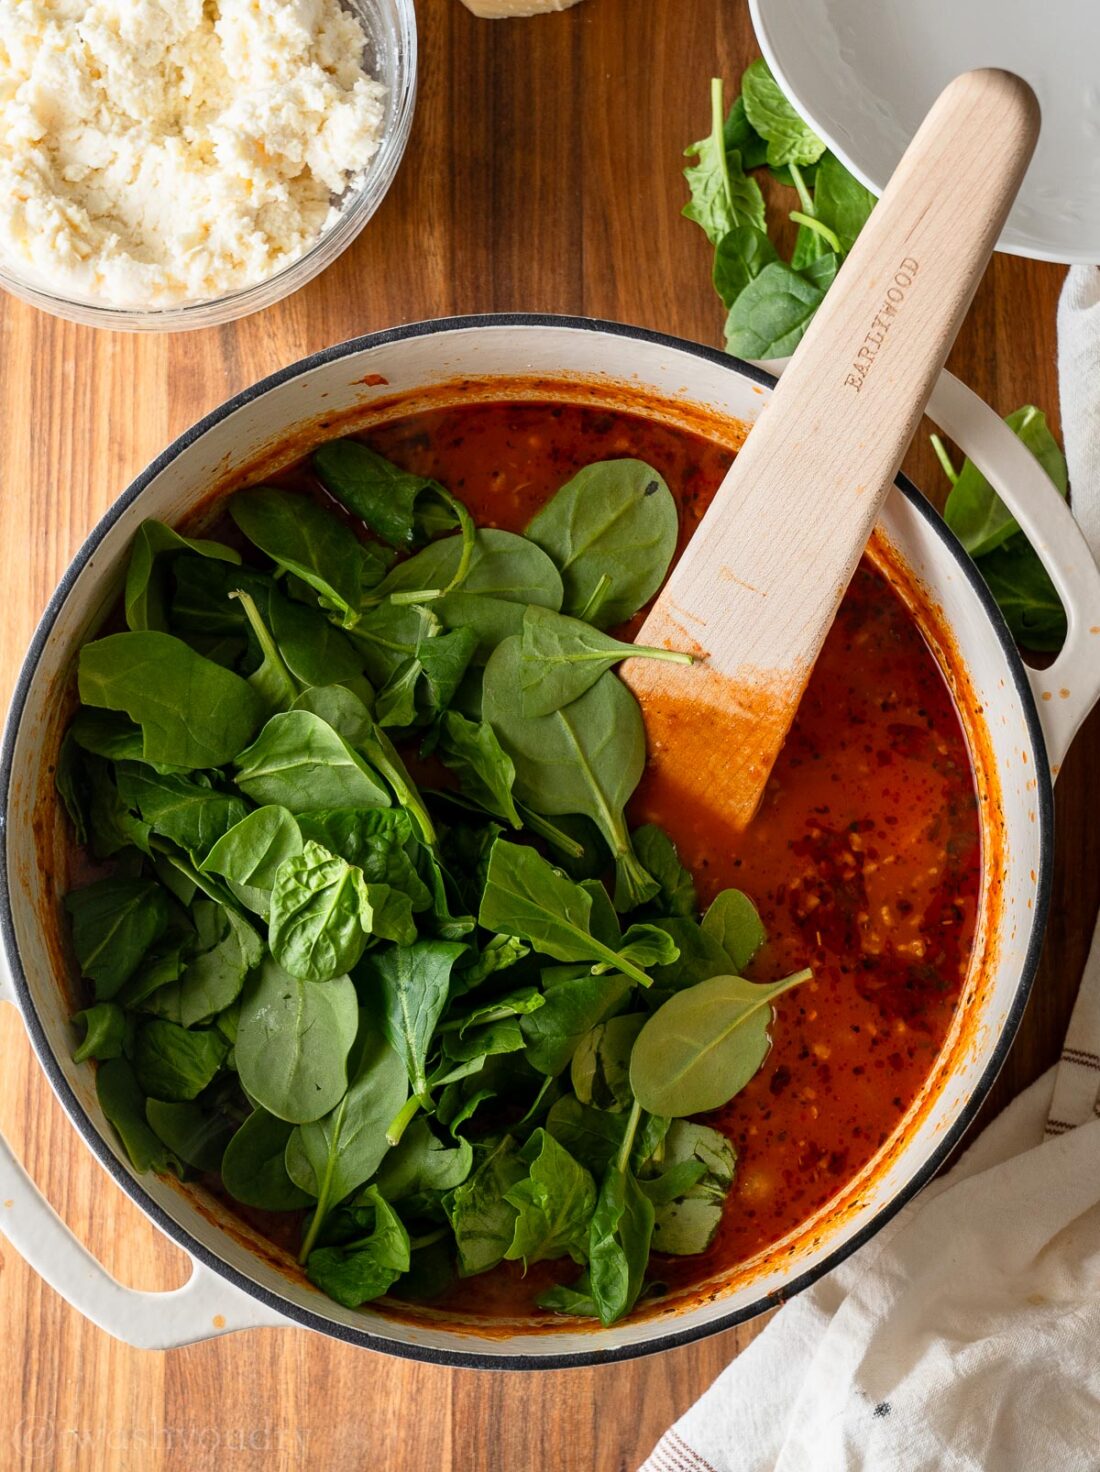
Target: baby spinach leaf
323,912
213,978
734,922
490,619
357,1272
657,853
573,1003
701,955
123,1104
592,1136
114,922
293,1041
271,679
302,539
648,946
789,139
299,762
561,658
345,713
422,1163
104,1032
619,1235
527,897
195,1135
974,511
109,734
497,954
333,1156
202,609
841,201
413,983
600,1068
612,533
502,565
1025,594
482,1217
739,257
484,770
587,758
144,599
248,856
686,1222
314,650
376,841
254,1169
773,311
176,1063
554,1204
705,1044
187,810
398,505
192,712
721,195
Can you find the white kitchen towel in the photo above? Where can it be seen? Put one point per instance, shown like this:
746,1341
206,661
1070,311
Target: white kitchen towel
966,1336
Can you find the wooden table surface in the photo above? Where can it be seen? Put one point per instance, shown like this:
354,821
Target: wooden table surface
543,173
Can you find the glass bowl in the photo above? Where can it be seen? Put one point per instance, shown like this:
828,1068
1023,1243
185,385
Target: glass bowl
390,56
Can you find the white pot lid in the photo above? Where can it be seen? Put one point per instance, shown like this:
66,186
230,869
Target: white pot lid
863,73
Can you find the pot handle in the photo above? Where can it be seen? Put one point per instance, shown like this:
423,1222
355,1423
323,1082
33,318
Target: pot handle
203,1308
1066,691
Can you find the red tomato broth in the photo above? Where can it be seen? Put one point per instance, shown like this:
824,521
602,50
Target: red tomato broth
864,860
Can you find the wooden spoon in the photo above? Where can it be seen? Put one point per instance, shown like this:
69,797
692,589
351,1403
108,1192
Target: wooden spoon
760,583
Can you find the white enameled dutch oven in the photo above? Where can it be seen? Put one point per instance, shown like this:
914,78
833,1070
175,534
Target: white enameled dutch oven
1020,722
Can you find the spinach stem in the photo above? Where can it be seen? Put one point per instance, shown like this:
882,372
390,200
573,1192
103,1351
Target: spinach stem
625,1148
428,1240
803,192
401,1121
945,459
553,835
813,223
718,135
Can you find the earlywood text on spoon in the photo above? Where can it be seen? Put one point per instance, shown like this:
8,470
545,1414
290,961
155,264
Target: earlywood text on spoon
895,295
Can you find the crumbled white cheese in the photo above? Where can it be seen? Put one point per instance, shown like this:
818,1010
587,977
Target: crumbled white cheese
154,152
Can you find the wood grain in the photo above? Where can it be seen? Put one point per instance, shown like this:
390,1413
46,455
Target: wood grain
543,173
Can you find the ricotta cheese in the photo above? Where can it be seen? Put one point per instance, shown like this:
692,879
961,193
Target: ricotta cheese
155,152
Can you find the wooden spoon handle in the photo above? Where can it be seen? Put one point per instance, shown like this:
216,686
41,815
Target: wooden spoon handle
760,583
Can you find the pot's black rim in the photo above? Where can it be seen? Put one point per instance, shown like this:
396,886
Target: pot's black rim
662,1339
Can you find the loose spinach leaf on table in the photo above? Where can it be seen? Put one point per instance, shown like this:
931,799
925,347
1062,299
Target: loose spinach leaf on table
974,511
114,922
560,658
1025,595
704,1044
145,598
293,1041
192,712
722,196
587,758
739,257
789,139
611,532
769,317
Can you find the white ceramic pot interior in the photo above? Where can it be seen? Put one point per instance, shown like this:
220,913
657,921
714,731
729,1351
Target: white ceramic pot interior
289,406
